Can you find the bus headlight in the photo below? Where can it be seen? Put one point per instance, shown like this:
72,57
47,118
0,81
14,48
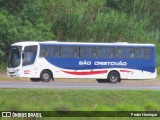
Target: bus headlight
13,72
16,70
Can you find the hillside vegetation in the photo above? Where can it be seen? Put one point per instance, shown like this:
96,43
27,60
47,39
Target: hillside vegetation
79,100
78,20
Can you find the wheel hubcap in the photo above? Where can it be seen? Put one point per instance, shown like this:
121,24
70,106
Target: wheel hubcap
113,78
45,76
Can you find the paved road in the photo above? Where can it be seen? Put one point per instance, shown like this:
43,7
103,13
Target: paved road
71,85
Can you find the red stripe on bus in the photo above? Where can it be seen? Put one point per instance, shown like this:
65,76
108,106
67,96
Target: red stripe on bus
87,72
125,71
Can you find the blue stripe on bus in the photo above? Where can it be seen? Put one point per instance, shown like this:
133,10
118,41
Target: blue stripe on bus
102,63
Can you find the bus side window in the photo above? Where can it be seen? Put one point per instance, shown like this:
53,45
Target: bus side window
69,51
130,52
43,51
101,52
29,55
83,52
74,52
147,53
120,52
111,52
87,52
139,53
53,51
93,52
64,50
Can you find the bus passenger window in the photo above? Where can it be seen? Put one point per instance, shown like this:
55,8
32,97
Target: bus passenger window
74,52
93,51
111,52
43,51
139,53
64,51
53,51
120,52
83,52
102,52
48,51
87,52
147,53
130,53
69,51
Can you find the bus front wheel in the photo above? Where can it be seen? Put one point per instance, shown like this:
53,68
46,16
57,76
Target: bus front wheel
113,77
46,76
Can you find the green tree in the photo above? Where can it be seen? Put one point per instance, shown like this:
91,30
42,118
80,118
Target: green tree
79,20
14,29
22,20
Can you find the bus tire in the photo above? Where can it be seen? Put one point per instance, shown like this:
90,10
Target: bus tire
35,79
113,77
46,76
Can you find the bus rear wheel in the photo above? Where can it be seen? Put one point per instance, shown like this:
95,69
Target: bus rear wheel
113,77
46,76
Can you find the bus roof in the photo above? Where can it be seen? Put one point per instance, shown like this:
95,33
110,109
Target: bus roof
26,43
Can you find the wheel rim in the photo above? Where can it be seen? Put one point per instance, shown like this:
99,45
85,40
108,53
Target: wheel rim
113,77
46,76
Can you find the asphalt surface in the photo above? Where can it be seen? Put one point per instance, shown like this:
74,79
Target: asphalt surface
82,85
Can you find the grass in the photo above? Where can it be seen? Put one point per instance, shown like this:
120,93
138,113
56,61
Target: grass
78,100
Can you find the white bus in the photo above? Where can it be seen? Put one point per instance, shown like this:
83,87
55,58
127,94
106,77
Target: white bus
111,61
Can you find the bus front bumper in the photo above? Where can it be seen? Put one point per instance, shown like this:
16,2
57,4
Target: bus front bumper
13,72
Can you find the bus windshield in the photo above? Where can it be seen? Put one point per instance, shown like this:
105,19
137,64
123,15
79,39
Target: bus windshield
14,56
